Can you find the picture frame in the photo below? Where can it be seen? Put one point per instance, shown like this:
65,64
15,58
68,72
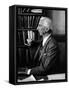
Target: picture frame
23,23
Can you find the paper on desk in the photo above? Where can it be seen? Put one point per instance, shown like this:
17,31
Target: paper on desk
30,78
56,76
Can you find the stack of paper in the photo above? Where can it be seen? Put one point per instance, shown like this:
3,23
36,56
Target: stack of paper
56,77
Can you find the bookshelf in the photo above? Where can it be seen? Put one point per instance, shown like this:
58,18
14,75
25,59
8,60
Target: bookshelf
23,22
26,28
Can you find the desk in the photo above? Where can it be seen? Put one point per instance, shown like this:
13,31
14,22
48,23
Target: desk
48,78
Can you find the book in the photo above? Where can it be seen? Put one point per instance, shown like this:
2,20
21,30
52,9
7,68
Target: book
22,70
31,35
19,10
25,22
19,22
24,9
21,60
35,21
30,21
20,37
19,57
22,21
36,10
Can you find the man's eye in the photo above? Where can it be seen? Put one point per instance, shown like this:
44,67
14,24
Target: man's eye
39,25
47,28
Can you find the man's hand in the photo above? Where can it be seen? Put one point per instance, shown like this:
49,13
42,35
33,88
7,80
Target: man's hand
29,41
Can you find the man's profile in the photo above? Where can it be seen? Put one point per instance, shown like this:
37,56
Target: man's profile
47,52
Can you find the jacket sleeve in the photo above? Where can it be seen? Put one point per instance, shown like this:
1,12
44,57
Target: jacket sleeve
49,57
47,60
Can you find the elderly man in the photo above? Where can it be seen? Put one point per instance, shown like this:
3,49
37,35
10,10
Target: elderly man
47,52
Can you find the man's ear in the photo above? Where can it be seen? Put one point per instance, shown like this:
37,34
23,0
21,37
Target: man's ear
46,29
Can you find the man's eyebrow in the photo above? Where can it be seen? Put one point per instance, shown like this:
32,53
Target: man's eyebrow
40,24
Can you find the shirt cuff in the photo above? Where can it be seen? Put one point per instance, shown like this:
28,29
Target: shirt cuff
29,71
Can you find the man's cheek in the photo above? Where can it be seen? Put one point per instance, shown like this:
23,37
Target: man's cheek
43,31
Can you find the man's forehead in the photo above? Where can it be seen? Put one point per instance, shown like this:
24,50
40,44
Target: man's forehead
44,21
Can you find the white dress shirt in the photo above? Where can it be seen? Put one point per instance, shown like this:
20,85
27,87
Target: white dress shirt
45,39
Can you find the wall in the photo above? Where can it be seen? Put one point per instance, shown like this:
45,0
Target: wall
58,18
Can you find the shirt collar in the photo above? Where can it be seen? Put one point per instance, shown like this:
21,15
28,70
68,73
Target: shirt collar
45,39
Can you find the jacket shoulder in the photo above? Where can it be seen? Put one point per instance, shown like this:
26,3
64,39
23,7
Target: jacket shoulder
52,43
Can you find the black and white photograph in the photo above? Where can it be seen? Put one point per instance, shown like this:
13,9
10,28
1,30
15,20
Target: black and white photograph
37,44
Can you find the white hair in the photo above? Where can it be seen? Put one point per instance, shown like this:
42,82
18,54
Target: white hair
45,21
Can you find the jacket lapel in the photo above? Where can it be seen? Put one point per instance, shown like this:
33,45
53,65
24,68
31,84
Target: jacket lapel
42,52
37,51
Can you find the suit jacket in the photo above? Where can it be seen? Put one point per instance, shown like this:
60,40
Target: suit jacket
47,57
